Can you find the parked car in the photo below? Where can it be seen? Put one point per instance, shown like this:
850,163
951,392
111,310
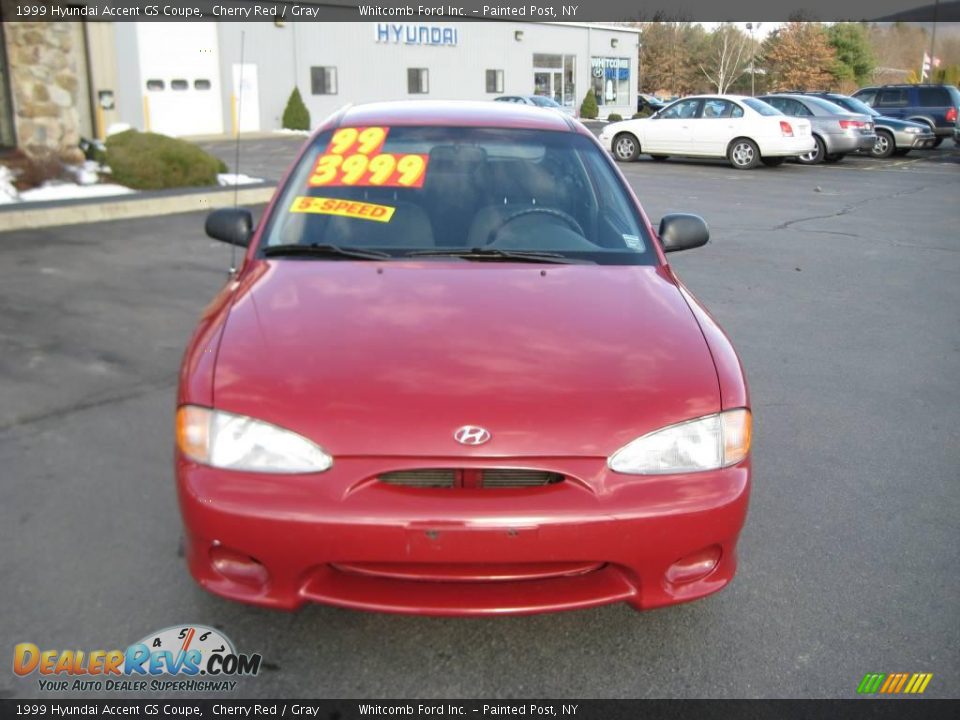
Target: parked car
836,131
744,130
894,137
403,402
936,106
535,101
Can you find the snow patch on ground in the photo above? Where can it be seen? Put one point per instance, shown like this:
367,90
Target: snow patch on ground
8,193
288,131
234,179
71,191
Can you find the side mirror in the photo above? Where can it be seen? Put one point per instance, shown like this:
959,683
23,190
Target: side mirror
230,225
682,231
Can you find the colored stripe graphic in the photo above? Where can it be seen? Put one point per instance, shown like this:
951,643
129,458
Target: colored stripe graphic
870,683
894,683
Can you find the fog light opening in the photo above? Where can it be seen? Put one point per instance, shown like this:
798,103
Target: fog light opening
695,566
238,567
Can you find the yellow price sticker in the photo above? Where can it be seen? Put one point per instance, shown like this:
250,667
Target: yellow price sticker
343,208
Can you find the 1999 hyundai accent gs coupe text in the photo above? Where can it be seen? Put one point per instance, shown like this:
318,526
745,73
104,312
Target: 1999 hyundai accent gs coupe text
455,375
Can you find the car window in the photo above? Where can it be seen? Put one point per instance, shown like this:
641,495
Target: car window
789,106
405,189
681,110
933,97
763,107
891,97
716,108
867,96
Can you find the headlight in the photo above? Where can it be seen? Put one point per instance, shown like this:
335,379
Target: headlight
913,130
707,443
238,442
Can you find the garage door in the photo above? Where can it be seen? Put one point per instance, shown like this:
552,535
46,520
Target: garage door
180,78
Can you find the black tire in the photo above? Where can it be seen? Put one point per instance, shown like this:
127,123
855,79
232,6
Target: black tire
659,158
834,158
885,146
901,151
816,155
936,143
743,154
626,147
773,161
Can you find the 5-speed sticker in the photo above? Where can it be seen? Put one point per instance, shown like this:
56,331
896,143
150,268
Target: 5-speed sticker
344,208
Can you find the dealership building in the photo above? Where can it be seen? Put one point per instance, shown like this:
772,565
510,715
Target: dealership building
67,79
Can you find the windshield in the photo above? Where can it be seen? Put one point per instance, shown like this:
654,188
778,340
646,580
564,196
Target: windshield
544,101
854,105
760,106
406,190
830,107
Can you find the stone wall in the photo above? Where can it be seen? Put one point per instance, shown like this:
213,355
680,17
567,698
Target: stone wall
45,64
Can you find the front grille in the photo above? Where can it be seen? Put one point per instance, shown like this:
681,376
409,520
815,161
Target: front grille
451,478
421,478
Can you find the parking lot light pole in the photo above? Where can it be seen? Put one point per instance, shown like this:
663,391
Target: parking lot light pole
753,57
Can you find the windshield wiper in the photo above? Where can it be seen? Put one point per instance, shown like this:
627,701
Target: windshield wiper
318,250
531,256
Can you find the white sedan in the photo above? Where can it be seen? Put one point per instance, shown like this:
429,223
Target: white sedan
744,130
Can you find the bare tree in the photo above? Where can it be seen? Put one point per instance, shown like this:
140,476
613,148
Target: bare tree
728,57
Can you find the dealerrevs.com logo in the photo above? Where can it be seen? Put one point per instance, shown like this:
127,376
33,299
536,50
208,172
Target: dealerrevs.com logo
178,658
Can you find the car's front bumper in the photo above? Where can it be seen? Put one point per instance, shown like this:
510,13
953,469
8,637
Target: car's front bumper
913,141
344,538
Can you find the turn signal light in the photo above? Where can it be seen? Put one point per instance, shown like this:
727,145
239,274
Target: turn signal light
852,124
786,128
951,114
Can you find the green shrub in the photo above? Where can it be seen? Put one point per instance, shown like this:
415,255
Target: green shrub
295,115
614,117
645,113
149,161
588,108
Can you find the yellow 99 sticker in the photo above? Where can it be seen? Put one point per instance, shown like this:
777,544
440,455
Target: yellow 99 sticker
353,158
343,208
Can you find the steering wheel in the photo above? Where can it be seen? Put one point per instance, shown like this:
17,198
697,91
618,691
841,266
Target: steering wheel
568,219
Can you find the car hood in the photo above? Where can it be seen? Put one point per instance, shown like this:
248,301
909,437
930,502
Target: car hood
370,358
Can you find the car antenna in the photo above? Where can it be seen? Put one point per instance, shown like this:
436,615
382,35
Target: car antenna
236,154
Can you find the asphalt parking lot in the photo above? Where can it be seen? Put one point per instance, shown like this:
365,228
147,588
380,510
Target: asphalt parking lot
840,286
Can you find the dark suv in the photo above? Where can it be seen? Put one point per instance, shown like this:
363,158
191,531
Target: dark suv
934,105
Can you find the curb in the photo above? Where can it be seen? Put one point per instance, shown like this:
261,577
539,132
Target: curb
146,204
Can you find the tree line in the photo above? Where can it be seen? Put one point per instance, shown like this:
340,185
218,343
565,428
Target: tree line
680,58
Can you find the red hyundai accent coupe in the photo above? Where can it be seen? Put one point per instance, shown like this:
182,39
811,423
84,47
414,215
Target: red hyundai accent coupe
455,375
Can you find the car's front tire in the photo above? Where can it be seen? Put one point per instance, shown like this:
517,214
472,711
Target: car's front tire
743,154
936,143
773,161
626,147
885,146
816,155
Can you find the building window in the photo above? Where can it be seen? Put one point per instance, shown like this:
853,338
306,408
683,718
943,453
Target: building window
201,84
611,80
554,76
323,80
179,85
418,81
494,81
155,85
